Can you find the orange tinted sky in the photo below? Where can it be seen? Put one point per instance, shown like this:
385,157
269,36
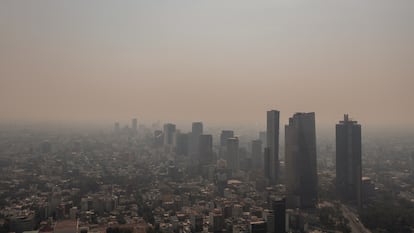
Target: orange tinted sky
216,61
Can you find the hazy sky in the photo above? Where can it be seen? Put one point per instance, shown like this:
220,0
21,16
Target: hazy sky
216,61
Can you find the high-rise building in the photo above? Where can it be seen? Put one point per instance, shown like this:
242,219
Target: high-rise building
300,159
257,155
169,132
134,125
181,147
232,152
273,144
266,162
263,137
206,149
196,131
225,134
279,213
348,160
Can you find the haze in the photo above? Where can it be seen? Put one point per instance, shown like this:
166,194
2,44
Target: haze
221,62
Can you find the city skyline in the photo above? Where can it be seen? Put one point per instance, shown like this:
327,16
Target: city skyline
71,62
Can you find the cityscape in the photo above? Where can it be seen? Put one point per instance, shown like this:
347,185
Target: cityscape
206,116
136,178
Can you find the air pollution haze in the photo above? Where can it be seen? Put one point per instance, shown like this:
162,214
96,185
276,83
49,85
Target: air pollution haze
222,62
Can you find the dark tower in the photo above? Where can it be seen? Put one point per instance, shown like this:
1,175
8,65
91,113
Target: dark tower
279,213
205,147
257,158
194,140
233,154
348,160
300,149
273,144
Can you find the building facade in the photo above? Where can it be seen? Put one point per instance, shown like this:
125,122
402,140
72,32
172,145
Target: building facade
300,158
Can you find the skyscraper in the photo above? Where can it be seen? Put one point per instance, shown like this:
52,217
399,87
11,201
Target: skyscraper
262,137
169,132
233,154
266,162
225,134
257,155
205,149
273,144
181,147
196,131
348,160
279,213
300,158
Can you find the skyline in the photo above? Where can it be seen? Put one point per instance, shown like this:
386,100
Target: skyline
219,63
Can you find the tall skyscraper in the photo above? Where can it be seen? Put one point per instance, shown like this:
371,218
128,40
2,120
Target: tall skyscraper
266,162
169,132
206,149
233,154
196,131
279,213
348,160
257,155
225,134
134,125
262,137
300,158
181,147
273,144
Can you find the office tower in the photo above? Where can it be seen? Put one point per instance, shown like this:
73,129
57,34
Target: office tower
279,214
233,154
266,162
169,132
262,137
272,134
300,158
205,149
181,147
348,160
225,134
257,156
134,125
196,131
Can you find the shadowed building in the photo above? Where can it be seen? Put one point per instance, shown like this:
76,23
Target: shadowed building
196,132
279,213
232,152
300,158
348,160
257,155
225,134
273,144
169,132
206,149
266,162
181,147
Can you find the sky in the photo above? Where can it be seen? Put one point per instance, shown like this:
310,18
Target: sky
220,62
